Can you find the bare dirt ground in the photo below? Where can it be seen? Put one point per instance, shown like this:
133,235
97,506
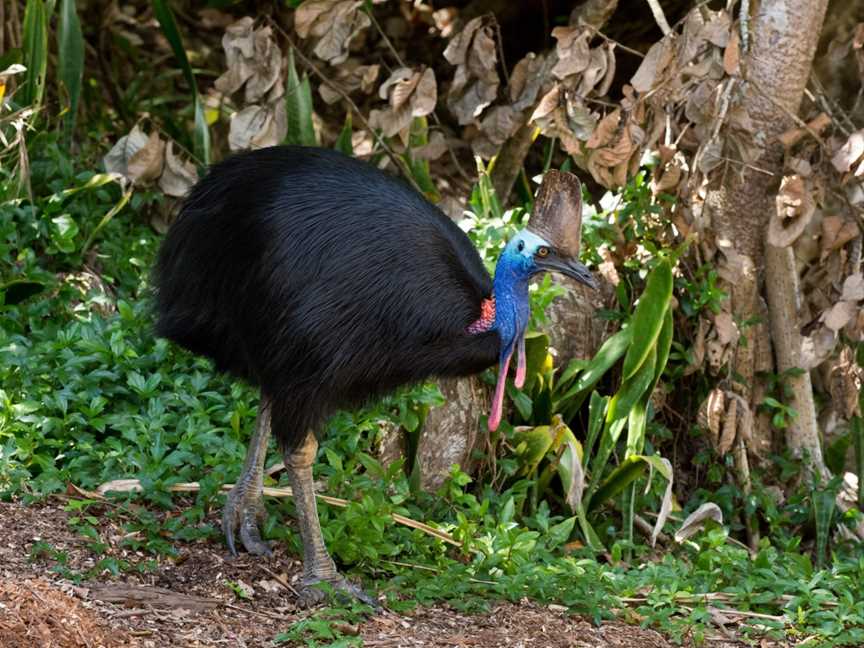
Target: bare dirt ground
185,602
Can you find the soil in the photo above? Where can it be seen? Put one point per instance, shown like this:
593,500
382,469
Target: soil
185,602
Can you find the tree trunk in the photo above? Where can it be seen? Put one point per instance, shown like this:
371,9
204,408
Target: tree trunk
782,36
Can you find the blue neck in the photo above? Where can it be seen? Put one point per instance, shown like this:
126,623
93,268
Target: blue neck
512,309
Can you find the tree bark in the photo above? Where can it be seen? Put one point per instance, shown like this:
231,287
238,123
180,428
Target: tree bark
782,42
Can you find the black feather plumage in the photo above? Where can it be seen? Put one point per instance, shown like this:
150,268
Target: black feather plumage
321,279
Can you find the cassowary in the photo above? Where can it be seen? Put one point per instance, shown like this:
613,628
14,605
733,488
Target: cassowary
327,282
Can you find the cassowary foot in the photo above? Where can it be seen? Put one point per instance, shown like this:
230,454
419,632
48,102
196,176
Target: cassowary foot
244,512
318,590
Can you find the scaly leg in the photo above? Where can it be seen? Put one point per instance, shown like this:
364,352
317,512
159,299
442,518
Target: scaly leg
244,509
318,566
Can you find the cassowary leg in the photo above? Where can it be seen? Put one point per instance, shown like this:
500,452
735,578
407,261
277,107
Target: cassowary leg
318,566
244,508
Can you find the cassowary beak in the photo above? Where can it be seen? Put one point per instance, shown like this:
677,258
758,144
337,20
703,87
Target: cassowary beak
568,267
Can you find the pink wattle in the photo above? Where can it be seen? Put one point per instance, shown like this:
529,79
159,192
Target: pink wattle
520,365
498,398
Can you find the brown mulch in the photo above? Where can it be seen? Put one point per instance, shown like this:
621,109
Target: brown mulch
186,602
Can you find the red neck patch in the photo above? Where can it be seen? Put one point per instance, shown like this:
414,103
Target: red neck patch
486,319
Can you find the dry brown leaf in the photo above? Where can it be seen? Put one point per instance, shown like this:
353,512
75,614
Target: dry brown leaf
258,126
145,165
717,29
727,330
334,22
795,208
605,131
711,414
499,125
410,93
653,66
572,51
817,347
433,149
853,288
732,55
547,104
178,175
595,71
694,521
252,58
850,152
475,84
117,159
839,315
525,81
350,77
836,232
730,428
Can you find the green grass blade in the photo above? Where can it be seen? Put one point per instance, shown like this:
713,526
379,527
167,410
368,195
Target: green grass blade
608,354
70,61
648,317
419,136
633,389
35,53
298,106
596,412
343,142
201,134
624,475
823,510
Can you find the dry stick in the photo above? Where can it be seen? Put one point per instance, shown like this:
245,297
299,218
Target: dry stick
266,615
830,106
284,583
433,114
660,17
128,485
399,162
616,43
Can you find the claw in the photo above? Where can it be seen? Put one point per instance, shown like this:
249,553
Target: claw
342,589
244,511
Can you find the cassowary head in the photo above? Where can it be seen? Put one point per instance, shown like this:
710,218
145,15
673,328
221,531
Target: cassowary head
550,243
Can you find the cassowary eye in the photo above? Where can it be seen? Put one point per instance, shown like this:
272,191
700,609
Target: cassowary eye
521,246
543,251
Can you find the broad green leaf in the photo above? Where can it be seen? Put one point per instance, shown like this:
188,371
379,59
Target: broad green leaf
611,432
560,533
201,133
298,106
70,60
536,352
591,538
521,400
637,421
596,411
531,445
344,143
625,474
35,53
607,355
648,317
573,367
633,388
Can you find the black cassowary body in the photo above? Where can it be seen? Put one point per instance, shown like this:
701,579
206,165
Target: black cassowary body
326,282
319,278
